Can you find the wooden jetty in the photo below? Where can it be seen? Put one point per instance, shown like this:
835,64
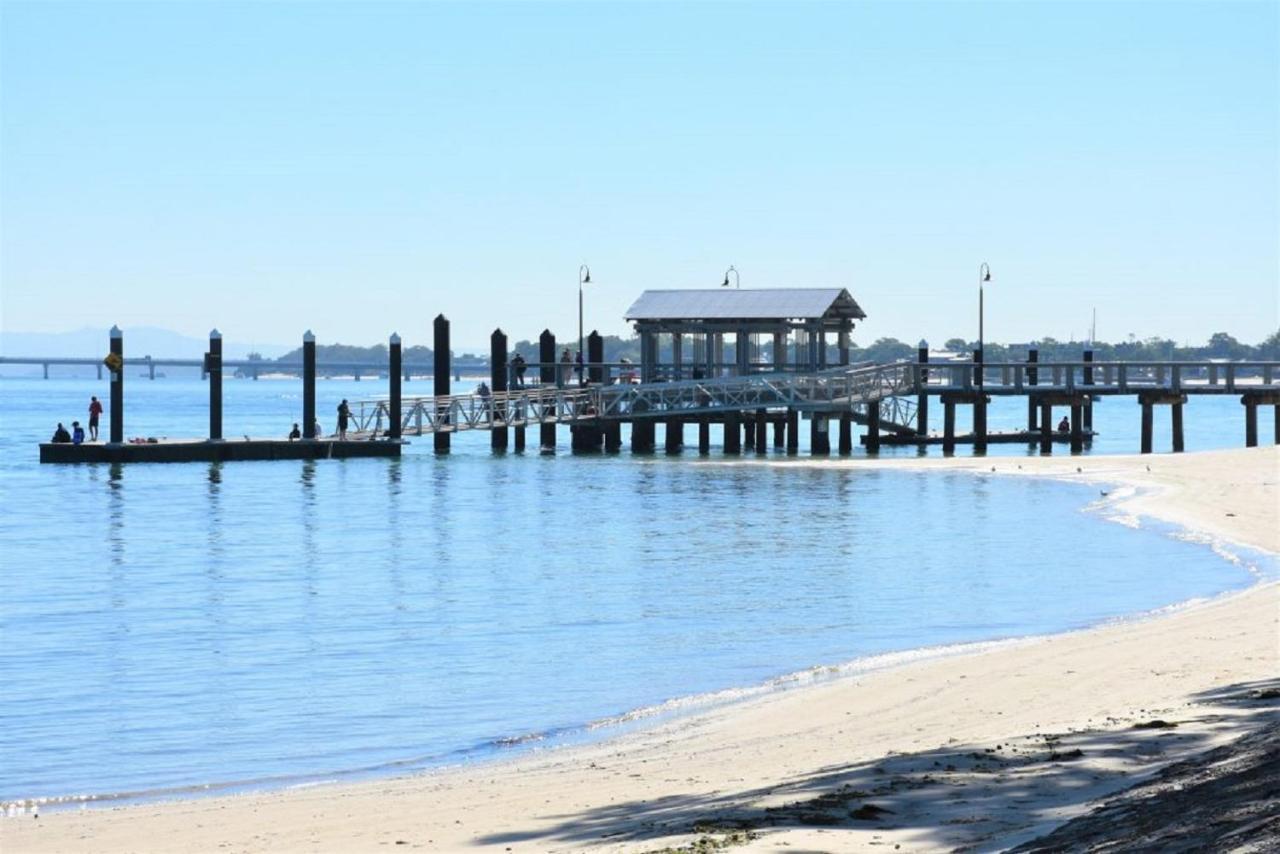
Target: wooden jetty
749,394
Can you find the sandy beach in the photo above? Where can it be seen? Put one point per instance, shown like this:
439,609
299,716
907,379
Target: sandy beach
985,748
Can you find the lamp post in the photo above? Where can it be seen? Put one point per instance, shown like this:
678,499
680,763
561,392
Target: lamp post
984,276
584,278
737,281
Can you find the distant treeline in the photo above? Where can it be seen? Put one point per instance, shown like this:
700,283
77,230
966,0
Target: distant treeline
1219,346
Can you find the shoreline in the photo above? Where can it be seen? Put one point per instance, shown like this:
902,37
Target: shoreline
765,723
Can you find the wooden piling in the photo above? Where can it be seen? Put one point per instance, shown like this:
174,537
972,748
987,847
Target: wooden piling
675,435
547,377
873,427
395,367
1088,380
980,423
1250,422
442,375
1077,426
498,374
595,358
780,431
819,435
308,385
846,434
762,431
1046,428
1175,412
117,387
922,399
948,426
613,435
1033,378
793,431
704,435
213,365
732,433
1146,425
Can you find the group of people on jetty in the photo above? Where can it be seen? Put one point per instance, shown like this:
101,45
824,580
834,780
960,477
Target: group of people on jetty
344,422
77,435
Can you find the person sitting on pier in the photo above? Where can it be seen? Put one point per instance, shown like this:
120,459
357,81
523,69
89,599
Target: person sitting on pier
60,435
295,434
344,416
77,433
1064,426
315,429
95,409
519,366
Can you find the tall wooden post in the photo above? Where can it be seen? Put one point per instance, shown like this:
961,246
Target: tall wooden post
704,435
395,372
213,364
1077,426
1046,428
779,351
948,425
922,397
498,374
675,435
1146,425
819,435
779,431
1250,422
762,431
117,387
308,385
1033,378
977,367
873,427
1275,415
1088,380
1175,412
441,357
595,358
793,431
547,378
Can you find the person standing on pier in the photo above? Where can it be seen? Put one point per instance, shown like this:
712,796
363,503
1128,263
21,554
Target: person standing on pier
344,416
519,366
565,361
95,409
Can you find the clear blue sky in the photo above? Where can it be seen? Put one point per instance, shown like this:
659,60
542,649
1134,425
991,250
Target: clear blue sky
358,168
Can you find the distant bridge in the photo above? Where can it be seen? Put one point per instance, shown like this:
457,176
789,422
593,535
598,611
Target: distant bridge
251,367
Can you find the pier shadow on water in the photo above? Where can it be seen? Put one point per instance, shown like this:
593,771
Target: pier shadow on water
963,796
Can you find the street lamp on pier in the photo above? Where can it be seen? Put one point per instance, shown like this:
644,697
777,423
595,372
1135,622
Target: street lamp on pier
584,278
984,276
737,282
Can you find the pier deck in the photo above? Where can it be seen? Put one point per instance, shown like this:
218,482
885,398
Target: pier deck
203,450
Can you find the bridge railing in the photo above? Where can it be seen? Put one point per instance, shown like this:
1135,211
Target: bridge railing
1114,376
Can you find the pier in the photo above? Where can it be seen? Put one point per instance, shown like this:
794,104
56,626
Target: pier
777,373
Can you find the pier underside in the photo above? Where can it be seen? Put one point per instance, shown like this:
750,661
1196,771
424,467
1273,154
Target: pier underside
191,451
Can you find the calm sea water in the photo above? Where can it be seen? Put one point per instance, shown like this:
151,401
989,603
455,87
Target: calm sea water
169,627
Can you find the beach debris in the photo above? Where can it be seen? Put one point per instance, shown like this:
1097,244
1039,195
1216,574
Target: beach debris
1155,724
1066,756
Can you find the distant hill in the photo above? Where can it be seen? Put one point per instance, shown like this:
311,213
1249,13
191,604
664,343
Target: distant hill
139,341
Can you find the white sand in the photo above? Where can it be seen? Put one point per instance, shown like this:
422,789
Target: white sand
970,749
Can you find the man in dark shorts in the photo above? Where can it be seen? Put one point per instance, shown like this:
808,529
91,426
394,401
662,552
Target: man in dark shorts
344,415
95,409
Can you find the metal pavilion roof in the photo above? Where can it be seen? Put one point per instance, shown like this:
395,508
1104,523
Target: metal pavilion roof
751,304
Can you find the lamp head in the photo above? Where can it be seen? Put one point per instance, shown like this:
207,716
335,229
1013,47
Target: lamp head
725,283
587,279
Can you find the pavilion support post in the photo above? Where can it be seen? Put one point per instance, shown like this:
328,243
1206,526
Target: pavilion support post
732,433
498,374
440,379
547,378
213,364
1033,378
873,428
1175,413
704,435
779,351
948,426
117,388
1146,426
842,344
922,398
793,431
677,356
1250,422
762,431
675,435
780,431
308,385
1077,426
394,370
